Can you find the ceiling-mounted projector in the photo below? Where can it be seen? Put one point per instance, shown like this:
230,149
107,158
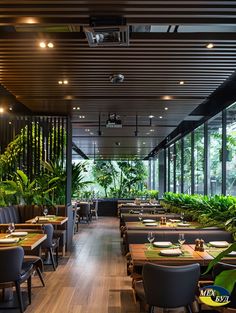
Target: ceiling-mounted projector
117,78
113,121
107,31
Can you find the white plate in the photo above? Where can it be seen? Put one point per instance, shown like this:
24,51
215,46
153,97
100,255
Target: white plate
9,240
162,244
19,233
184,224
150,224
149,221
219,244
171,252
232,253
174,221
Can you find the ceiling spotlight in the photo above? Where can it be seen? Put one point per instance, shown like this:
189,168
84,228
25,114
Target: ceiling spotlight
166,108
10,108
87,129
78,108
91,133
65,82
117,78
181,82
74,108
166,97
81,116
160,116
9,123
151,130
144,143
50,45
210,45
148,133
1,110
42,44
60,82
151,116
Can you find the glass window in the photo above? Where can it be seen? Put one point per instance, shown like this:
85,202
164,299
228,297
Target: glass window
167,170
231,151
199,160
178,166
171,155
215,155
187,164
156,173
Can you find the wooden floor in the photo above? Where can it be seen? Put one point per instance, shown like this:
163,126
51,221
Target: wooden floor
92,280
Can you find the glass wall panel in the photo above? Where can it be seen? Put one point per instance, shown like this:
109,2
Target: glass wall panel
171,188
167,170
215,155
231,151
187,164
156,173
178,166
199,160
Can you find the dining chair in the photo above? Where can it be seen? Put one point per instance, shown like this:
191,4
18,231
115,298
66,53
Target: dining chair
94,210
84,211
13,272
51,244
37,263
168,287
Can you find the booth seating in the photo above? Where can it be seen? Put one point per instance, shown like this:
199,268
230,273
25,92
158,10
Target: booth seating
139,237
135,217
19,214
147,210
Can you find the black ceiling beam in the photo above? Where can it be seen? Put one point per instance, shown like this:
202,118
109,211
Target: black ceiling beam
79,151
135,36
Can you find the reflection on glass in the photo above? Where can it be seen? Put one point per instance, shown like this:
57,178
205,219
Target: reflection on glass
199,160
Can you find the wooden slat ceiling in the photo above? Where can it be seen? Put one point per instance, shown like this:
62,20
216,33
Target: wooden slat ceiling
153,65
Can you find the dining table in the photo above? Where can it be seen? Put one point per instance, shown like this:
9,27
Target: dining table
156,225
50,219
141,253
28,242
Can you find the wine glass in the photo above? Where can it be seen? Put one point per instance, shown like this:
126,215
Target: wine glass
150,238
140,216
45,212
181,240
182,216
11,228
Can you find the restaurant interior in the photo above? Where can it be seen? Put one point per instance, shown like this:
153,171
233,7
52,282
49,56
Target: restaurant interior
117,156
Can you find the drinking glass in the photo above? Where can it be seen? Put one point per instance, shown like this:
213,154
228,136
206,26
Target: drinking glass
45,211
181,240
151,238
11,228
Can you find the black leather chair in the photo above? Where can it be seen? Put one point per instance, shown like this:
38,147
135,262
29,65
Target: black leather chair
84,212
168,287
37,263
14,272
51,244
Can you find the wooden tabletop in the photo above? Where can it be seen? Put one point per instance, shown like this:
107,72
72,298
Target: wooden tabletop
133,205
28,242
169,226
140,255
57,220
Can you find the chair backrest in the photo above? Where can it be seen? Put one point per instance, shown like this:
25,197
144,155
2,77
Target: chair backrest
11,259
84,209
9,215
217,269
170,286
48,230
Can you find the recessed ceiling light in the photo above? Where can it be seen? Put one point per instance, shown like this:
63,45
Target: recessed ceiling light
91,133
166,97
9,123
42,44
78,108
87,129
81,116
166,108
60,82
148,133
1,110
181,82
151,130
65,82
50,45
74,108
10,108
144,143
151,116
160,116
210,45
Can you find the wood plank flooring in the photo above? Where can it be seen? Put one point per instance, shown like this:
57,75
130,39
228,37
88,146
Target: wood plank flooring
92,279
